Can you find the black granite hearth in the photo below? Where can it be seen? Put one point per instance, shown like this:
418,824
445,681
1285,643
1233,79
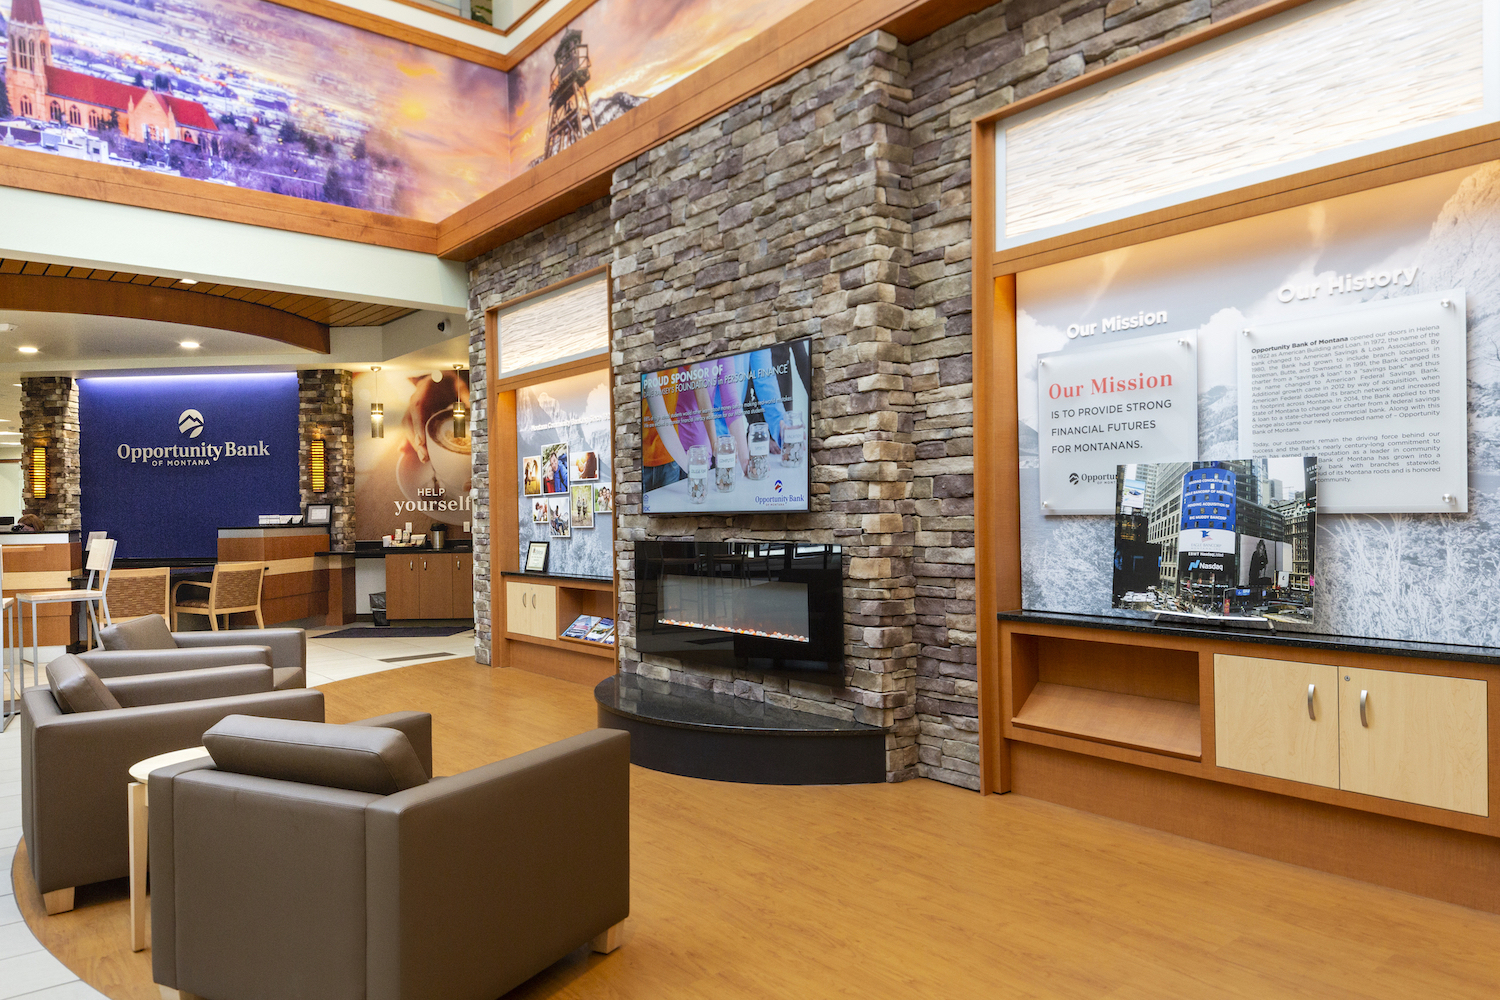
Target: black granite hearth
688,731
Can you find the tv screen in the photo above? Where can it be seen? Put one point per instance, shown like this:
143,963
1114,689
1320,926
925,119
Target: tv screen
729,435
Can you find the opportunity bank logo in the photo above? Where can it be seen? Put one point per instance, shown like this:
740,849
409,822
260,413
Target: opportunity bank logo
1088,479
190,424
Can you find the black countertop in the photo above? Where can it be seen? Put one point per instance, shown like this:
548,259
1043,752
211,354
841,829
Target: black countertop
693,708
380,551
557,576
1141,621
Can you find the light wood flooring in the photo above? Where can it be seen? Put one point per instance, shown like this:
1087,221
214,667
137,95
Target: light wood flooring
913,890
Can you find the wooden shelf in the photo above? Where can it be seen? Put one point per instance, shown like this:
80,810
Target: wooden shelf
591,648
1156,725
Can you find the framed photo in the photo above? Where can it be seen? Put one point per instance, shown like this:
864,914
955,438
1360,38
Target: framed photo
583,506
319,513
539,511
604,500
555,471
531,475
536,557
558,517
585,466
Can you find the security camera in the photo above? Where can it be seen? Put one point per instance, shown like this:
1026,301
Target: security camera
442,325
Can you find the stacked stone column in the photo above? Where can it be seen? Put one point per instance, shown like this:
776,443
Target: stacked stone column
49,419
326,411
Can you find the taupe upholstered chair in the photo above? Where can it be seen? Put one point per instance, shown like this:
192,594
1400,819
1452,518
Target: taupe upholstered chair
81,734
320,861
135,593
234,588
147,646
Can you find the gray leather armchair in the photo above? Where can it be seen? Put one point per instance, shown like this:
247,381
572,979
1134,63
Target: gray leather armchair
363,880
80,737
146,645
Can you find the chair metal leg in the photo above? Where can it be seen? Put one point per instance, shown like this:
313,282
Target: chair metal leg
94,622
36,650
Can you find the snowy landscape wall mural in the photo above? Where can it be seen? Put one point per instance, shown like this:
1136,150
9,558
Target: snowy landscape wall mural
252,94
1428,577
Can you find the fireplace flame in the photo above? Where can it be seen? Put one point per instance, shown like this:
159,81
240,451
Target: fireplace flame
788,636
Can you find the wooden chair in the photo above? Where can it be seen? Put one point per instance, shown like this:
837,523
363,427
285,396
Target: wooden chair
136,593
234,588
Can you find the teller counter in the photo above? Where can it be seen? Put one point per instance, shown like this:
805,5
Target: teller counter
37,561
303,579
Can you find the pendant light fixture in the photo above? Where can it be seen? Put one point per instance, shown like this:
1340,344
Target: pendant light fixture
377,410
460,414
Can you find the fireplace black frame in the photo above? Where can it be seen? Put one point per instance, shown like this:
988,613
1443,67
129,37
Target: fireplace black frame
818,567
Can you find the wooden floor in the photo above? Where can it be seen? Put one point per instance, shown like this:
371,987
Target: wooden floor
910,890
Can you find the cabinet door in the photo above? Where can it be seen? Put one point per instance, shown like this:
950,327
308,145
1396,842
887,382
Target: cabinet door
401,586
517,610
463,586
435,593
544,611
1277,717
1419,738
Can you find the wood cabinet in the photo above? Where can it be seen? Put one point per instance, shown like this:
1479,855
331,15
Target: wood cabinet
531,609
435,585
1277,717
1415,737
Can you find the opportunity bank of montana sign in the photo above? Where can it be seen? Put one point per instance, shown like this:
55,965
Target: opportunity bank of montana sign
190,425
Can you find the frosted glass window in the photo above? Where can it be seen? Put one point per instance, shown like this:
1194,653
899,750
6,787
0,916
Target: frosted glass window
571,322
1344,75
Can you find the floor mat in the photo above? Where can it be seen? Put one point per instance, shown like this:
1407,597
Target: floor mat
397,632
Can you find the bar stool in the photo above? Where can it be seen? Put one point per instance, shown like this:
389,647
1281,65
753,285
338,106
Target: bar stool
100,559
10,662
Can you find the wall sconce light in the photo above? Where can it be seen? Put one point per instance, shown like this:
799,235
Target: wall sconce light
38,475
460,414
317,466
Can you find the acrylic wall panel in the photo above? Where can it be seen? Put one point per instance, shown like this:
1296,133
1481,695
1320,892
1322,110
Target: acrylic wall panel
1321,84
1429,577
572,322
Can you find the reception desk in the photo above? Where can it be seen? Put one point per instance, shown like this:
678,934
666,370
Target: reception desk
300,574
37,561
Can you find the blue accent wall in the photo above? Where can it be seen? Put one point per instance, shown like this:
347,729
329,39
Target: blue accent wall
163,490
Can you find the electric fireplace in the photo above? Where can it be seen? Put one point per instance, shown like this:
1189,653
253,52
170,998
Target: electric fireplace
771,606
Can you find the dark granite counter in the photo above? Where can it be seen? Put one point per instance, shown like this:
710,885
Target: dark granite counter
1142,621
678,705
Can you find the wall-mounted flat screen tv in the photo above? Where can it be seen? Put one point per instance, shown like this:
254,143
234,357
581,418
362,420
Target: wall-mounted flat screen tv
729,435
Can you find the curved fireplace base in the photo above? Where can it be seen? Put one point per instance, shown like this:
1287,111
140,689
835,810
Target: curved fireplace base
698,734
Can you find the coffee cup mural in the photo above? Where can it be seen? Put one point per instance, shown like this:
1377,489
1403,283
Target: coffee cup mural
421,466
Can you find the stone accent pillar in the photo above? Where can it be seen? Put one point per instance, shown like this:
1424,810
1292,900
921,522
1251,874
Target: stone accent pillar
479,436
790,215
325,399
49,419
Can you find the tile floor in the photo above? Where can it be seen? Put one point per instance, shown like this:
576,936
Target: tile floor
26,969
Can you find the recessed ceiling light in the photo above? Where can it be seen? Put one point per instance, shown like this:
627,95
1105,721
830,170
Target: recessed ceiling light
27,350
191,345
187,281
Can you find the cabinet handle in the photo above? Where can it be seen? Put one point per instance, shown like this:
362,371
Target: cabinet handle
1364,720
412,565
424,564
1310,689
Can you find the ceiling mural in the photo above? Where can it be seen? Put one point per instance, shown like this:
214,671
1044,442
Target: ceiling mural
252,94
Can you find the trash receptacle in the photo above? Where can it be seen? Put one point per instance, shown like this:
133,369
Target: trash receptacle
377,609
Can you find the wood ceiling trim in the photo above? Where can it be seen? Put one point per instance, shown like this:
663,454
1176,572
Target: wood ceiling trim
81,296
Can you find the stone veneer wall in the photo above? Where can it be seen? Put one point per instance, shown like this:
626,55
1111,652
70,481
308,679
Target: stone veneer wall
325,403
837,204
559,250
49,417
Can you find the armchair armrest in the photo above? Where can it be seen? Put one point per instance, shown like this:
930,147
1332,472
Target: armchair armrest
126,662
190,685
418,729
288,645
75,768
547,831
